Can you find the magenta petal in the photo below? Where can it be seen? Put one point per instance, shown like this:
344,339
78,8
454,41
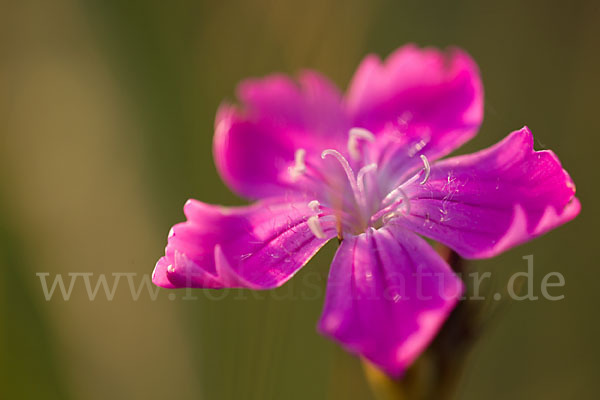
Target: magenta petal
159,276
417,101
484,203
259,246
255,146
312,106
388,294
250,155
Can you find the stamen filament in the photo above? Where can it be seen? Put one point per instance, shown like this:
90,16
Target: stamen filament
427,169
347,169
389,211
299,167
360,181
315,227
354,135
393,195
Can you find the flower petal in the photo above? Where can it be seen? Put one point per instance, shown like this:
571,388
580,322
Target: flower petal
484,203
388,294
260,246
255,147
418,101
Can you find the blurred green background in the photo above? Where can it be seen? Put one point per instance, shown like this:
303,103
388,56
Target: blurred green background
106,116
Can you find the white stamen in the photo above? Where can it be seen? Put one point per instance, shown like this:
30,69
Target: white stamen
405,118
388,217
395,214
315,206
299,167
427,169
354,135
315,227
345,166
417,148
405,200
360,179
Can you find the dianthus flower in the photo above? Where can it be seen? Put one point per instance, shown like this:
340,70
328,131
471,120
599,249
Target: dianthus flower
365,168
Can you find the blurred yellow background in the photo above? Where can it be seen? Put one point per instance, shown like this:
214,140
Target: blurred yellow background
106,122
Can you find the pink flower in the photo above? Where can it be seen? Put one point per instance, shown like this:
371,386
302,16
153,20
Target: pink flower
365,167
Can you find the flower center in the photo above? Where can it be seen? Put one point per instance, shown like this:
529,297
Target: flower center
356,200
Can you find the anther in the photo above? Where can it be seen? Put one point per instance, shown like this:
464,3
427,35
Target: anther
315,206
427,169
313,222
354,135
299,167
